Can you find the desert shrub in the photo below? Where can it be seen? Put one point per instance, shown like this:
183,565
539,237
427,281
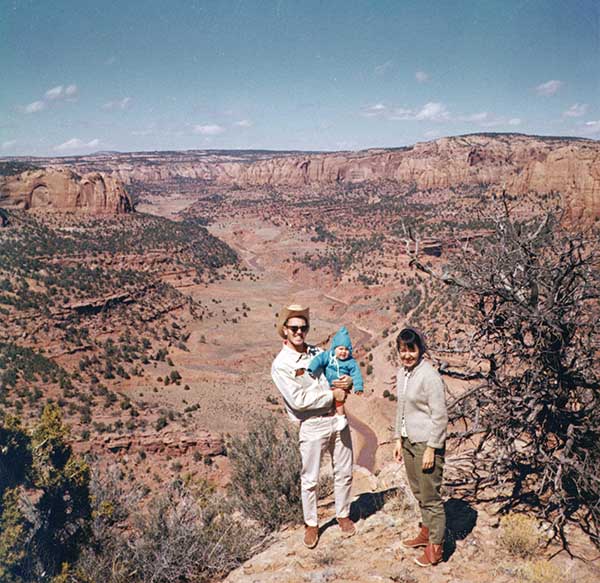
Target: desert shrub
106,557
181,535
181,539
519,535
266,469
543,572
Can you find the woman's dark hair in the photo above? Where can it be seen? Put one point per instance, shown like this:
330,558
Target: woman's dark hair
411,338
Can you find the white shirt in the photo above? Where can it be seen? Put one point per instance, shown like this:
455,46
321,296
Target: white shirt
303,395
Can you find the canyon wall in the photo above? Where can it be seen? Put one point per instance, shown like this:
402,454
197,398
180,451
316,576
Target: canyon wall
61,189
516,163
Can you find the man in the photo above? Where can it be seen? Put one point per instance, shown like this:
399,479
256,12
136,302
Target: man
310,403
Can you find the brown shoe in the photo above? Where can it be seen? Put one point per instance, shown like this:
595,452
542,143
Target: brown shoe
431,556
347,527
421,540
311,536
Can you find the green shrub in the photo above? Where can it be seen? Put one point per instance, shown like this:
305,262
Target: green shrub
45,515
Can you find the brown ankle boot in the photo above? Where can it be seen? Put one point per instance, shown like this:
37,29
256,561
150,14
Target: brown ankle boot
432,555
420,540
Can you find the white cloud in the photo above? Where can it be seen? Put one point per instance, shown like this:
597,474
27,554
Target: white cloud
401,114
147,132
549,88
576,110
71,91
433,112
110,61
376,110
8,145
421,77
68,93
384,68
118,104
485,119
244,123
55,93
480,117
76,144
591,128
35,107
209,130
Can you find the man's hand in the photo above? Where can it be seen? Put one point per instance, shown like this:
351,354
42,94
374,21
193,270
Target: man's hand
398,450
339,395
344,383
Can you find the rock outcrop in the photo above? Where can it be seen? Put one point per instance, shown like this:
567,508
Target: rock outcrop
162,443
518,163
61,189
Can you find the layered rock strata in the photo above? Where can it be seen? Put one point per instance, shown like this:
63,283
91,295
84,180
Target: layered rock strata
61,189
517,163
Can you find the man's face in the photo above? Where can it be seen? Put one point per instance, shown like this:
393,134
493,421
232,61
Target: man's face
295,332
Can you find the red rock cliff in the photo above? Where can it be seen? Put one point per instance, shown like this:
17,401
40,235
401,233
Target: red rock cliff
64,190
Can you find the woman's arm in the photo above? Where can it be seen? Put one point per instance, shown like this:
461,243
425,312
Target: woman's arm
436,397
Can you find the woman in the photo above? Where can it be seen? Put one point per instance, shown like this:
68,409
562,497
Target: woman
420,434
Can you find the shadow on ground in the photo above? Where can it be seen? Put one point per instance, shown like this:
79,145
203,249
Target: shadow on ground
364,506
461,518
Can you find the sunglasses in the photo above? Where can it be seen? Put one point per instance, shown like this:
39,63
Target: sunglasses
296,329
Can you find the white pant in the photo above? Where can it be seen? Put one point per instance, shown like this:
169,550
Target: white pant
318,435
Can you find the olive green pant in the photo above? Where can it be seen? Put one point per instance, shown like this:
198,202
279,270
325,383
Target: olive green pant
426,485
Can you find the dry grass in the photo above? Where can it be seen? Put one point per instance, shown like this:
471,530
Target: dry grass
519,535
544,572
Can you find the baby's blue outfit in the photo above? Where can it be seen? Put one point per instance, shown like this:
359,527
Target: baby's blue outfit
326,362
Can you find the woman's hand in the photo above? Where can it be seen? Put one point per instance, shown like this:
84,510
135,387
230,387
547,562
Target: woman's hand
428,458
398,450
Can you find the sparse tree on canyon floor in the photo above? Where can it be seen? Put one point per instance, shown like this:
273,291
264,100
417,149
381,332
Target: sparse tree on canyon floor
534,288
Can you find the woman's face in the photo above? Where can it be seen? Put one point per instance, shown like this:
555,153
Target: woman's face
409,355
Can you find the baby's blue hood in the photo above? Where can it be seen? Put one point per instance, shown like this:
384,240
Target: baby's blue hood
342,338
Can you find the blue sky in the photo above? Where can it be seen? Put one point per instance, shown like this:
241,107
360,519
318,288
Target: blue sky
292,74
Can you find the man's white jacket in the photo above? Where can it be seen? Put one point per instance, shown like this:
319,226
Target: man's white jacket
303,395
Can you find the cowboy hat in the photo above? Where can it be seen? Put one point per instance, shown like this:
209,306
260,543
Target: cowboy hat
292,311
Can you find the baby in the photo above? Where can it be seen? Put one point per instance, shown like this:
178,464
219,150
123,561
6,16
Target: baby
335,363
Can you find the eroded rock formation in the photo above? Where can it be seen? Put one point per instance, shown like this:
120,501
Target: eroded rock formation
163,443
517,163
62,189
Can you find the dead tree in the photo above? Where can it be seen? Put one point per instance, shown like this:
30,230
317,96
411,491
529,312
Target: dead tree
534,289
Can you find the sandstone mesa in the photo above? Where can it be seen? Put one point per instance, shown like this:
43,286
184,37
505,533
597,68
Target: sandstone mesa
61,189
517,163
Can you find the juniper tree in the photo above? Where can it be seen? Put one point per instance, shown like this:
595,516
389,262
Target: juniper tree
533,289
45,513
